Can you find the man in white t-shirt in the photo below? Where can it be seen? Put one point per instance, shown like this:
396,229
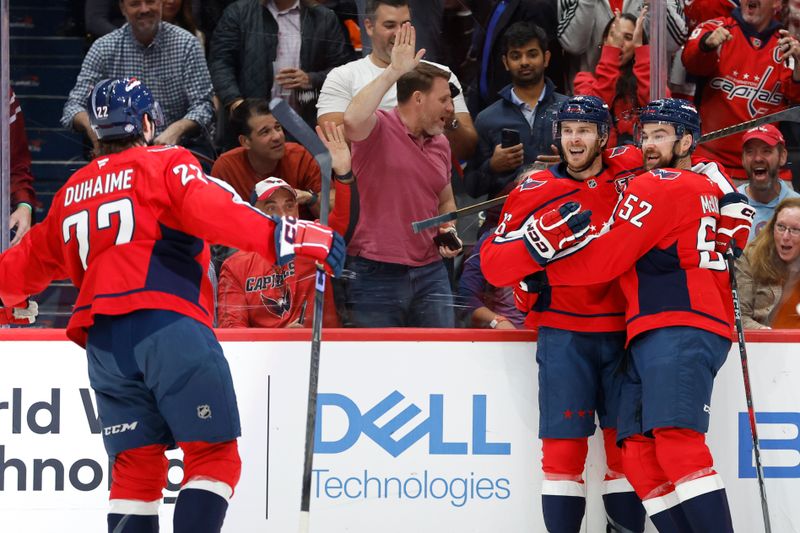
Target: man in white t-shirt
383,20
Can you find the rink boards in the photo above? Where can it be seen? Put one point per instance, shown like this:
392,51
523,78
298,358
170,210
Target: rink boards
419,430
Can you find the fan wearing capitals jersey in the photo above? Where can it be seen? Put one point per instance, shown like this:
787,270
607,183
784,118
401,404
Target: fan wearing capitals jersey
665,246
130,230
581,328
749,67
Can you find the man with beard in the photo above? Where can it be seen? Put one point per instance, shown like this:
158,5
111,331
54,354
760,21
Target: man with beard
402,160
665,245
749,67
523,107
763,154
581,328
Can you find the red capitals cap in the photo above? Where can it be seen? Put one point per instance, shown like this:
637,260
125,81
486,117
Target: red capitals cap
767,133
267,187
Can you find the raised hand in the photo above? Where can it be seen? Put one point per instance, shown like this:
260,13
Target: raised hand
638,30
333,139
404,55
614,37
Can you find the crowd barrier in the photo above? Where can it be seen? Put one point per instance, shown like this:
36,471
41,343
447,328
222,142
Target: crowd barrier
419,430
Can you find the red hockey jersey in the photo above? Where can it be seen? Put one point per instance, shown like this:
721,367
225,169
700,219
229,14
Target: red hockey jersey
662,245
744,80
256,293
590,306
129,230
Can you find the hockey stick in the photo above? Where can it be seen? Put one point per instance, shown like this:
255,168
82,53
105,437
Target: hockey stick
292,122
748,394
791,114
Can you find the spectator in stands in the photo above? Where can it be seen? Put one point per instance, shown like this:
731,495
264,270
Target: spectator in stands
384,19
23,197
104,16
523,107
763,155
426,17
180,13
263,152
248,60
254,293
622,76
168,59
745,60
487,306
768,263
402,160
582,23
487,51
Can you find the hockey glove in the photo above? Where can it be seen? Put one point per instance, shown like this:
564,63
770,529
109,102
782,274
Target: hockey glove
24,314
527,292
733,228
555,230
309,239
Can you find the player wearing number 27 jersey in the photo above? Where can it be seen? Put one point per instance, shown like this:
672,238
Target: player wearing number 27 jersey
126,229
130,231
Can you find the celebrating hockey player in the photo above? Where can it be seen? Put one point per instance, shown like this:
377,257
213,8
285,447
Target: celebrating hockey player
581,328
679,316
129,230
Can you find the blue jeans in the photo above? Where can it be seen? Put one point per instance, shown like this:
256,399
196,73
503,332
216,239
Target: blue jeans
388,295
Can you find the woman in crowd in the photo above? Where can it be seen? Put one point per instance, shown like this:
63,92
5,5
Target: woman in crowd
622,76
770,264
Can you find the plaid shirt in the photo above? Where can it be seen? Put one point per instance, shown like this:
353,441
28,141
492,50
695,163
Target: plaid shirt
172,66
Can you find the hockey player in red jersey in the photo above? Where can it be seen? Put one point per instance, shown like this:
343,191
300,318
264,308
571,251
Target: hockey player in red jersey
749,67
130,230
581,328
665,246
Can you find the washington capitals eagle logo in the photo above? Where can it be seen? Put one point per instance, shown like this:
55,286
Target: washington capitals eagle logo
280,307
530,184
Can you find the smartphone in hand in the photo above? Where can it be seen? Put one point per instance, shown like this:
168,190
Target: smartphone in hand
508,138
447,239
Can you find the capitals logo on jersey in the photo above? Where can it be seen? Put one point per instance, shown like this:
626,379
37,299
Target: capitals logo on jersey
751,88
529,184
280,306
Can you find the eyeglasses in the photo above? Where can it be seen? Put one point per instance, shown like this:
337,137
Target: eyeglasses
794,232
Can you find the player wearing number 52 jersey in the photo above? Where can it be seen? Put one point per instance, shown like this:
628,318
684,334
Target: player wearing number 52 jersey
581,327
665,246
130,231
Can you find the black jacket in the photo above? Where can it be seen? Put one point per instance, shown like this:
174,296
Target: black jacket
245,44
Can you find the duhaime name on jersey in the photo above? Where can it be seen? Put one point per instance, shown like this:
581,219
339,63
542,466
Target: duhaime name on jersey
111,182
28,418
341,423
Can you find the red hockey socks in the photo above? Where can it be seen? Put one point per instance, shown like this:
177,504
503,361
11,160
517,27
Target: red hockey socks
624,509
563,491
138,477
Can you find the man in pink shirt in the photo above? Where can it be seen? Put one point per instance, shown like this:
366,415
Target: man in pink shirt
402,161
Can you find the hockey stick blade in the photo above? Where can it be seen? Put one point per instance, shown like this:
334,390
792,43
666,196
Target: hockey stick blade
291,122
791,114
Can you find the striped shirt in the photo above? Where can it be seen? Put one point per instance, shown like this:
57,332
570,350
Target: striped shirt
289,41
172,66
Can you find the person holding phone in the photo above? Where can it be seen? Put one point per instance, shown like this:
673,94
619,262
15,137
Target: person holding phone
515,129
